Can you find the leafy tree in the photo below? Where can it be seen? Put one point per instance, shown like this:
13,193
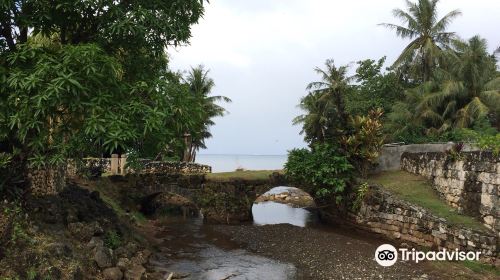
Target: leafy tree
467,93
428,34
326,115
373,88
338,142
200,86
87,76
363,146
323,170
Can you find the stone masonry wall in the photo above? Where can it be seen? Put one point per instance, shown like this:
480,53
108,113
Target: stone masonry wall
47,181
174,167
470,183
96,166
390,155
382,212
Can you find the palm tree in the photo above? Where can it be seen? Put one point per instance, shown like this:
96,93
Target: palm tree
326,116
200,86
428,34
315,120
467,93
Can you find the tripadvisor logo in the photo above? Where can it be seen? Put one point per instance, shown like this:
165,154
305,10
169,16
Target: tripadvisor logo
387,255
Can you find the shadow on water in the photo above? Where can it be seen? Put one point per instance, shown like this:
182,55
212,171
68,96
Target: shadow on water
190,249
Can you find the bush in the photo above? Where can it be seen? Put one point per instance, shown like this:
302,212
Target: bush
489,142
112,239
324,169
363,145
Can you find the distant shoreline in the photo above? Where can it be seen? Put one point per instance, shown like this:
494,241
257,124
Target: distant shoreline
241,155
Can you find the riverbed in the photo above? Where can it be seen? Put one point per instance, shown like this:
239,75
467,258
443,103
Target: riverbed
284,242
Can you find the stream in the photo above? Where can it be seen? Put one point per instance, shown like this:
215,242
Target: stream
280,234
193,251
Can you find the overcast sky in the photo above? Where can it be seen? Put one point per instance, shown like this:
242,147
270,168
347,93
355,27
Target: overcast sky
261,54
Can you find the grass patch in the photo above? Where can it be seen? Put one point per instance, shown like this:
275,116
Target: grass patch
481,268
242,175
108,194
418,190
466,270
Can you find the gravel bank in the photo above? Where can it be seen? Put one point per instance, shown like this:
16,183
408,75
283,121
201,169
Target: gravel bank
327,254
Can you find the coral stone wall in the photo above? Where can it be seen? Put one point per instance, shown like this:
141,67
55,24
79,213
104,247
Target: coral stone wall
90,165
383,213
174,167
47,181
390,155
96,166
470,183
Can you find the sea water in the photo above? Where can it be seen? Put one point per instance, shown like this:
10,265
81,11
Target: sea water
227,163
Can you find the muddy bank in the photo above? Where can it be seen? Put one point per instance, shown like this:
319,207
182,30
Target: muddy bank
74,235
321,253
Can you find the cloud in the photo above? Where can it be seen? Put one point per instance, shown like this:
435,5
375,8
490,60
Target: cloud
261,54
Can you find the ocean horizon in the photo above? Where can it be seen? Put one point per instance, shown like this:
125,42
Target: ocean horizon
231,162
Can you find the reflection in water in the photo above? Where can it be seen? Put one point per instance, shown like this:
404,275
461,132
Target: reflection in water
214,263
268,213
192,250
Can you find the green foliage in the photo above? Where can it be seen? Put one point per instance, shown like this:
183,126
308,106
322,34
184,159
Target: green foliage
482,268
361,192
339,142
455,152
15,215
490,142
112,239
31,274
428,34
323,169
12,181
465,94
363,145
374,89
91,77
418,190
200,87
325,115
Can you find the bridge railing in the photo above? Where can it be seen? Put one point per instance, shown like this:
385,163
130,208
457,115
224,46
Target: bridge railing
117,165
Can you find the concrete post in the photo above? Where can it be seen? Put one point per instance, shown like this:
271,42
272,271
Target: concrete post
123,162
114,164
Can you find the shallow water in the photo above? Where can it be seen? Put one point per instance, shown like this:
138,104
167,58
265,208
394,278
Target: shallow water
227,163
190,248
270,213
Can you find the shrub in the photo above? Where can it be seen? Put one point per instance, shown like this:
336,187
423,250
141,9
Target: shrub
361,192
324,169
455,152
363,145
112,239
489,142
484,140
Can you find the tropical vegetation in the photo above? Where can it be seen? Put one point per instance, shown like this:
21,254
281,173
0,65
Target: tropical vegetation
90,78
200,86
428,34
440,88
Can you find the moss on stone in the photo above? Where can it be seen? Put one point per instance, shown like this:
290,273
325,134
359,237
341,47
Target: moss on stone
418,190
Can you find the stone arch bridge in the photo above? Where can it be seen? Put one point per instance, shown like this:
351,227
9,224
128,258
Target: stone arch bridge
221,201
